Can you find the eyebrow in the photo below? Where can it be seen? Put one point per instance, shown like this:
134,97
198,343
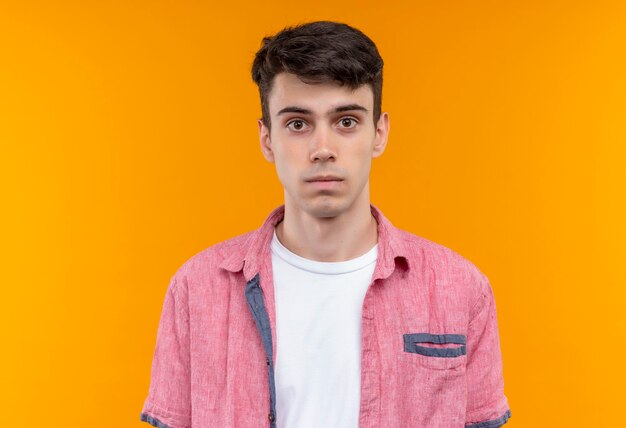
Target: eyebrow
339,109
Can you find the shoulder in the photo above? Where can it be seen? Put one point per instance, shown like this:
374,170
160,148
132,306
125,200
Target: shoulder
451,269
206,263
436,256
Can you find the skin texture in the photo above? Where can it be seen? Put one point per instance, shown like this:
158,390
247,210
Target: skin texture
331,221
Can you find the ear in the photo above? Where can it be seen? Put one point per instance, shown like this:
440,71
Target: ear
382,132
264,139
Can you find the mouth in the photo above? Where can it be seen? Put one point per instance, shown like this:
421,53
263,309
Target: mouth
324,178
326,183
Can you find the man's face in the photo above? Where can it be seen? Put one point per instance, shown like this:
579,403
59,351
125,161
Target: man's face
322,131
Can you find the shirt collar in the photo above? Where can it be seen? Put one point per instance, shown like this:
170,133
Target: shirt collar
250,255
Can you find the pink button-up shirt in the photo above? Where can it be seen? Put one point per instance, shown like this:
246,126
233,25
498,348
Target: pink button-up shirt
430,347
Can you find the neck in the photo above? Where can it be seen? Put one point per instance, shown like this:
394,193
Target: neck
329,239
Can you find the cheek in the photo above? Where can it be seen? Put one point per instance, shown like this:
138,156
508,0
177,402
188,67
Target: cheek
287,161
285,171
362,161
366,168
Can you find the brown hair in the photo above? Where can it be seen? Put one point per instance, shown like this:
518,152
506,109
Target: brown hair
319,51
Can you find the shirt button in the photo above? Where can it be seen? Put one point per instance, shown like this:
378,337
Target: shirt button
271,417
267,360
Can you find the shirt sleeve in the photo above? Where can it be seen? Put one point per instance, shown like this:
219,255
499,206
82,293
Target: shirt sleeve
168,404
487,406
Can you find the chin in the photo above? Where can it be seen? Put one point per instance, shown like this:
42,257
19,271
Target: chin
327,208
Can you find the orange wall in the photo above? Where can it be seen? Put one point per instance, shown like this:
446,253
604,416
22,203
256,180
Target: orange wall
126,126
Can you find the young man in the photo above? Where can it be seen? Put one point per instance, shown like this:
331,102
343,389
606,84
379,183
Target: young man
327,315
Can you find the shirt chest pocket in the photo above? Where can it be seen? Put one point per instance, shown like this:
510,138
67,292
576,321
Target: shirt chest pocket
437,351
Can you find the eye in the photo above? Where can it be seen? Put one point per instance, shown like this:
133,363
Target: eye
296,125
348,122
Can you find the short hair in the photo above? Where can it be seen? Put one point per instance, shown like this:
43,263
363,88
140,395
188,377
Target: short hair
317,52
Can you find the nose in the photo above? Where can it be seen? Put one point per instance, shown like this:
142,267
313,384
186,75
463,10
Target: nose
321,146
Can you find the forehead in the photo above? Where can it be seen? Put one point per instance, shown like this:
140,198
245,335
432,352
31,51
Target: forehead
288,90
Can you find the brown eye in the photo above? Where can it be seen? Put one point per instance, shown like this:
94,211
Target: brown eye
348,122
296,125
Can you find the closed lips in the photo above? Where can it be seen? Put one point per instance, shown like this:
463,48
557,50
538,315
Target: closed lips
325,179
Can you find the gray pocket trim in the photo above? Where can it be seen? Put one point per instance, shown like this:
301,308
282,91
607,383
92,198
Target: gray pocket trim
411,344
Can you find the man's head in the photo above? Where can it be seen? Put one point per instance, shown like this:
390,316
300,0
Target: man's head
321,116
319,51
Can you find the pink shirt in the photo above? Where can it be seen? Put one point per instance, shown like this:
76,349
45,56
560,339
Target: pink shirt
430,346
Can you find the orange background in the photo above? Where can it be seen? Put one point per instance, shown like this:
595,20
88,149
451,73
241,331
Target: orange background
128,126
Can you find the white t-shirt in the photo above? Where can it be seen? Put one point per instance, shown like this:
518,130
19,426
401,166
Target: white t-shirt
318,331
